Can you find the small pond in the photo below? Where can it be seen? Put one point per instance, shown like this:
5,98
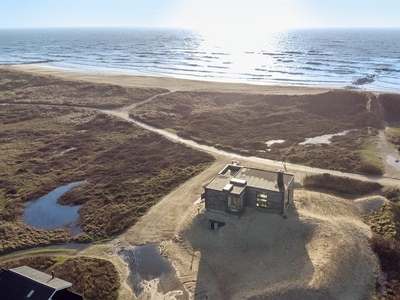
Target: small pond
46,213
271,142
323,139
391,160
145,263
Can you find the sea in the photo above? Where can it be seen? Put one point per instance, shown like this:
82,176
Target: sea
362,59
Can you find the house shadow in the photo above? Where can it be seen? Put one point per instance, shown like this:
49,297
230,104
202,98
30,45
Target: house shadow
257,256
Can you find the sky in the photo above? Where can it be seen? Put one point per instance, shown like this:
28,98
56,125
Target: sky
211,15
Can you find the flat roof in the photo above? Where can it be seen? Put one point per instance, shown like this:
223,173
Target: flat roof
42,278
255,178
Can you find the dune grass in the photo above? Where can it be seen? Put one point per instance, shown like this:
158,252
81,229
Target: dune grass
127,170
393,135
343,185
243,123
19,87
371,161
385,242
57,252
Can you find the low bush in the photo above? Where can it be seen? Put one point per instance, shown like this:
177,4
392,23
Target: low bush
393,134
388,251
369,169
341,184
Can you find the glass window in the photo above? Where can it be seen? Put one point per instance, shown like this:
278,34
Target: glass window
234,203
262,200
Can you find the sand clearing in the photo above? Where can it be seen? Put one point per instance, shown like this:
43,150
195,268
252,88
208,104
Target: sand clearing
320,251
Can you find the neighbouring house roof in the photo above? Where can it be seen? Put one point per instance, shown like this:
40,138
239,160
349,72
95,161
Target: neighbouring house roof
27,283
240,177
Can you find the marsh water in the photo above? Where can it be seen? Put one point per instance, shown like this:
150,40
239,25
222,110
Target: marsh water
145,263
46,213
323,139
391,160
271,142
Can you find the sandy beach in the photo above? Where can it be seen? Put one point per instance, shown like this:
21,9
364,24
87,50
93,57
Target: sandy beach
172,84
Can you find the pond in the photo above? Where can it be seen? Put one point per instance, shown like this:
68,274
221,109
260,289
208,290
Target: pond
391,160
46,213
323,139
271,142
145,263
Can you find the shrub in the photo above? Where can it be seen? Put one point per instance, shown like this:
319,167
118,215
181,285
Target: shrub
341,184
388,251
369,169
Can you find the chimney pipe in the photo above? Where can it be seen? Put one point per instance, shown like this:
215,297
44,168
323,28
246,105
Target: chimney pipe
280,177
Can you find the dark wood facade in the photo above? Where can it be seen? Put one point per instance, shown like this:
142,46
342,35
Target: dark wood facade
268,191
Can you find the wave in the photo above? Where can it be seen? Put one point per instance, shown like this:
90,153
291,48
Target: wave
387,70
217,67
313,63
37,62
293,52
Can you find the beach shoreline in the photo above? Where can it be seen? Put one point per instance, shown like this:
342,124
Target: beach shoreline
171,83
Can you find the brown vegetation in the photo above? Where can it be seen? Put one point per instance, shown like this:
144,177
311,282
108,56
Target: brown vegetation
92,277
343,185
390,106
386,244
127,170
16,87
244,123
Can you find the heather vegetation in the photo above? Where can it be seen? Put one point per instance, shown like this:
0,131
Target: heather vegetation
385,242
127,170
27,88
93,278
243,123
390,107
343,185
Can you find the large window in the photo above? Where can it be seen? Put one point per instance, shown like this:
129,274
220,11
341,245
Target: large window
262,200
234,203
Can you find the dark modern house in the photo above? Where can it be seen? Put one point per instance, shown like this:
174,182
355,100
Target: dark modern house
25,283
236,187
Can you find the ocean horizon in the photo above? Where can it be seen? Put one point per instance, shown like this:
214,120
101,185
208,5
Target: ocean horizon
359,59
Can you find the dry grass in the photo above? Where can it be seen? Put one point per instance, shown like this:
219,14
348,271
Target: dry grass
127,170
390,107
343,185
393,134
386,244
243,123
21,87
92,277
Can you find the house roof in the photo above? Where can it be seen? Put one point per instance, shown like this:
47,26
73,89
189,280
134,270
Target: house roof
21,282
42,278
241,177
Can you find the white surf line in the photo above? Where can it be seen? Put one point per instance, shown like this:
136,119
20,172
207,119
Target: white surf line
263,161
